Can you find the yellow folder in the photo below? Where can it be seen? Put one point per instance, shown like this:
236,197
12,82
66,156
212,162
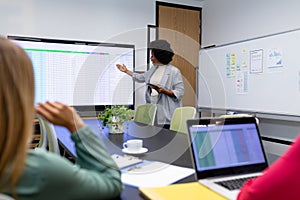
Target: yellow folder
191,191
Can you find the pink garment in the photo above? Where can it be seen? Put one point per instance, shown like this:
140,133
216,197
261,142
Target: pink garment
281,181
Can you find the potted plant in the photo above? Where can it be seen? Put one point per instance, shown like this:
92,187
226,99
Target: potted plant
114,117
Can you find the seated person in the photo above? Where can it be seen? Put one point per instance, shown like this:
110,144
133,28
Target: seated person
38,174
279,181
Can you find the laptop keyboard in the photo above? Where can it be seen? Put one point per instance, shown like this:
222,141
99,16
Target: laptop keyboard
234,184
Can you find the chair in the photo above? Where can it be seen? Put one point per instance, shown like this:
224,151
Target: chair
181,114
43,143
145,114
49,136
240,115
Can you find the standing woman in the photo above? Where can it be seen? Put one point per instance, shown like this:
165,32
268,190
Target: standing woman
165,86
38,174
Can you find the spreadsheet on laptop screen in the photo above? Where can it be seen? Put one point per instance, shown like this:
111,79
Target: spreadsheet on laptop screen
223,146
80,73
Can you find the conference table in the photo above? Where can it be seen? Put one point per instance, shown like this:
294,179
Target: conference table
163,145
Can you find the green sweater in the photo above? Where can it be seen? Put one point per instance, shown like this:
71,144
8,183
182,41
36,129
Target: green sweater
49,176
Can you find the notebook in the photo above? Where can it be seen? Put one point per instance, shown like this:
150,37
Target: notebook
226,150
125,160
190,191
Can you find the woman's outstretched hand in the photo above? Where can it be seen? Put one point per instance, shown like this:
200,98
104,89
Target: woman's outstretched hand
122,68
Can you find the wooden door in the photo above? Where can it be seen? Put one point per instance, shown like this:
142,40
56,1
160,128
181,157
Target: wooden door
180,25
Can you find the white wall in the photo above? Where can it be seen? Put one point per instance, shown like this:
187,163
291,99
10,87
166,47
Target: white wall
116,21
226,21
119,21
91,20
195,3
76,19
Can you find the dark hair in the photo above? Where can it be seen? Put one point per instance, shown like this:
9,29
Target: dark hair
162,51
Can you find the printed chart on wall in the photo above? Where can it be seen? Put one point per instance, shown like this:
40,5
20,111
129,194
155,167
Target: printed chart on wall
258,75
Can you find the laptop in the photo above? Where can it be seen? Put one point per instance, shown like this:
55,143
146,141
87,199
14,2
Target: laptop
226,151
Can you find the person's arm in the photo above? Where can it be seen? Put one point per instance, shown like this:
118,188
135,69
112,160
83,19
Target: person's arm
177,92
100,174
279,181
124,69
96,175
167,92
178,86
162,90
135,76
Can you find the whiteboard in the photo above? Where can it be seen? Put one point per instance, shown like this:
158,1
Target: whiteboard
259,75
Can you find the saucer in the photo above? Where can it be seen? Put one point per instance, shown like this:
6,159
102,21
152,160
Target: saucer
142,150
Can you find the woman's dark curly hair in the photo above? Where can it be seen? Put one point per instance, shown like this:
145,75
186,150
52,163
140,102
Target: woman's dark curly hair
162,51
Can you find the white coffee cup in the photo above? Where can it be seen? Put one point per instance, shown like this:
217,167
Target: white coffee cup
133,145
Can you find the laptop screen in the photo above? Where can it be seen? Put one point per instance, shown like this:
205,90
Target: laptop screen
225,143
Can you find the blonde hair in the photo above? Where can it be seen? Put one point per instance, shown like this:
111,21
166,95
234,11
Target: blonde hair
16,113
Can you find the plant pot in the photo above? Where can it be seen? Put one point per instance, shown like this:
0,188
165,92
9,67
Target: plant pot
116,128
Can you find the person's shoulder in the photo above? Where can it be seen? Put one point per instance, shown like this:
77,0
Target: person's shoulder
173,68
296,142
40,155
43,157
153,67
44,160
37,160
37,152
